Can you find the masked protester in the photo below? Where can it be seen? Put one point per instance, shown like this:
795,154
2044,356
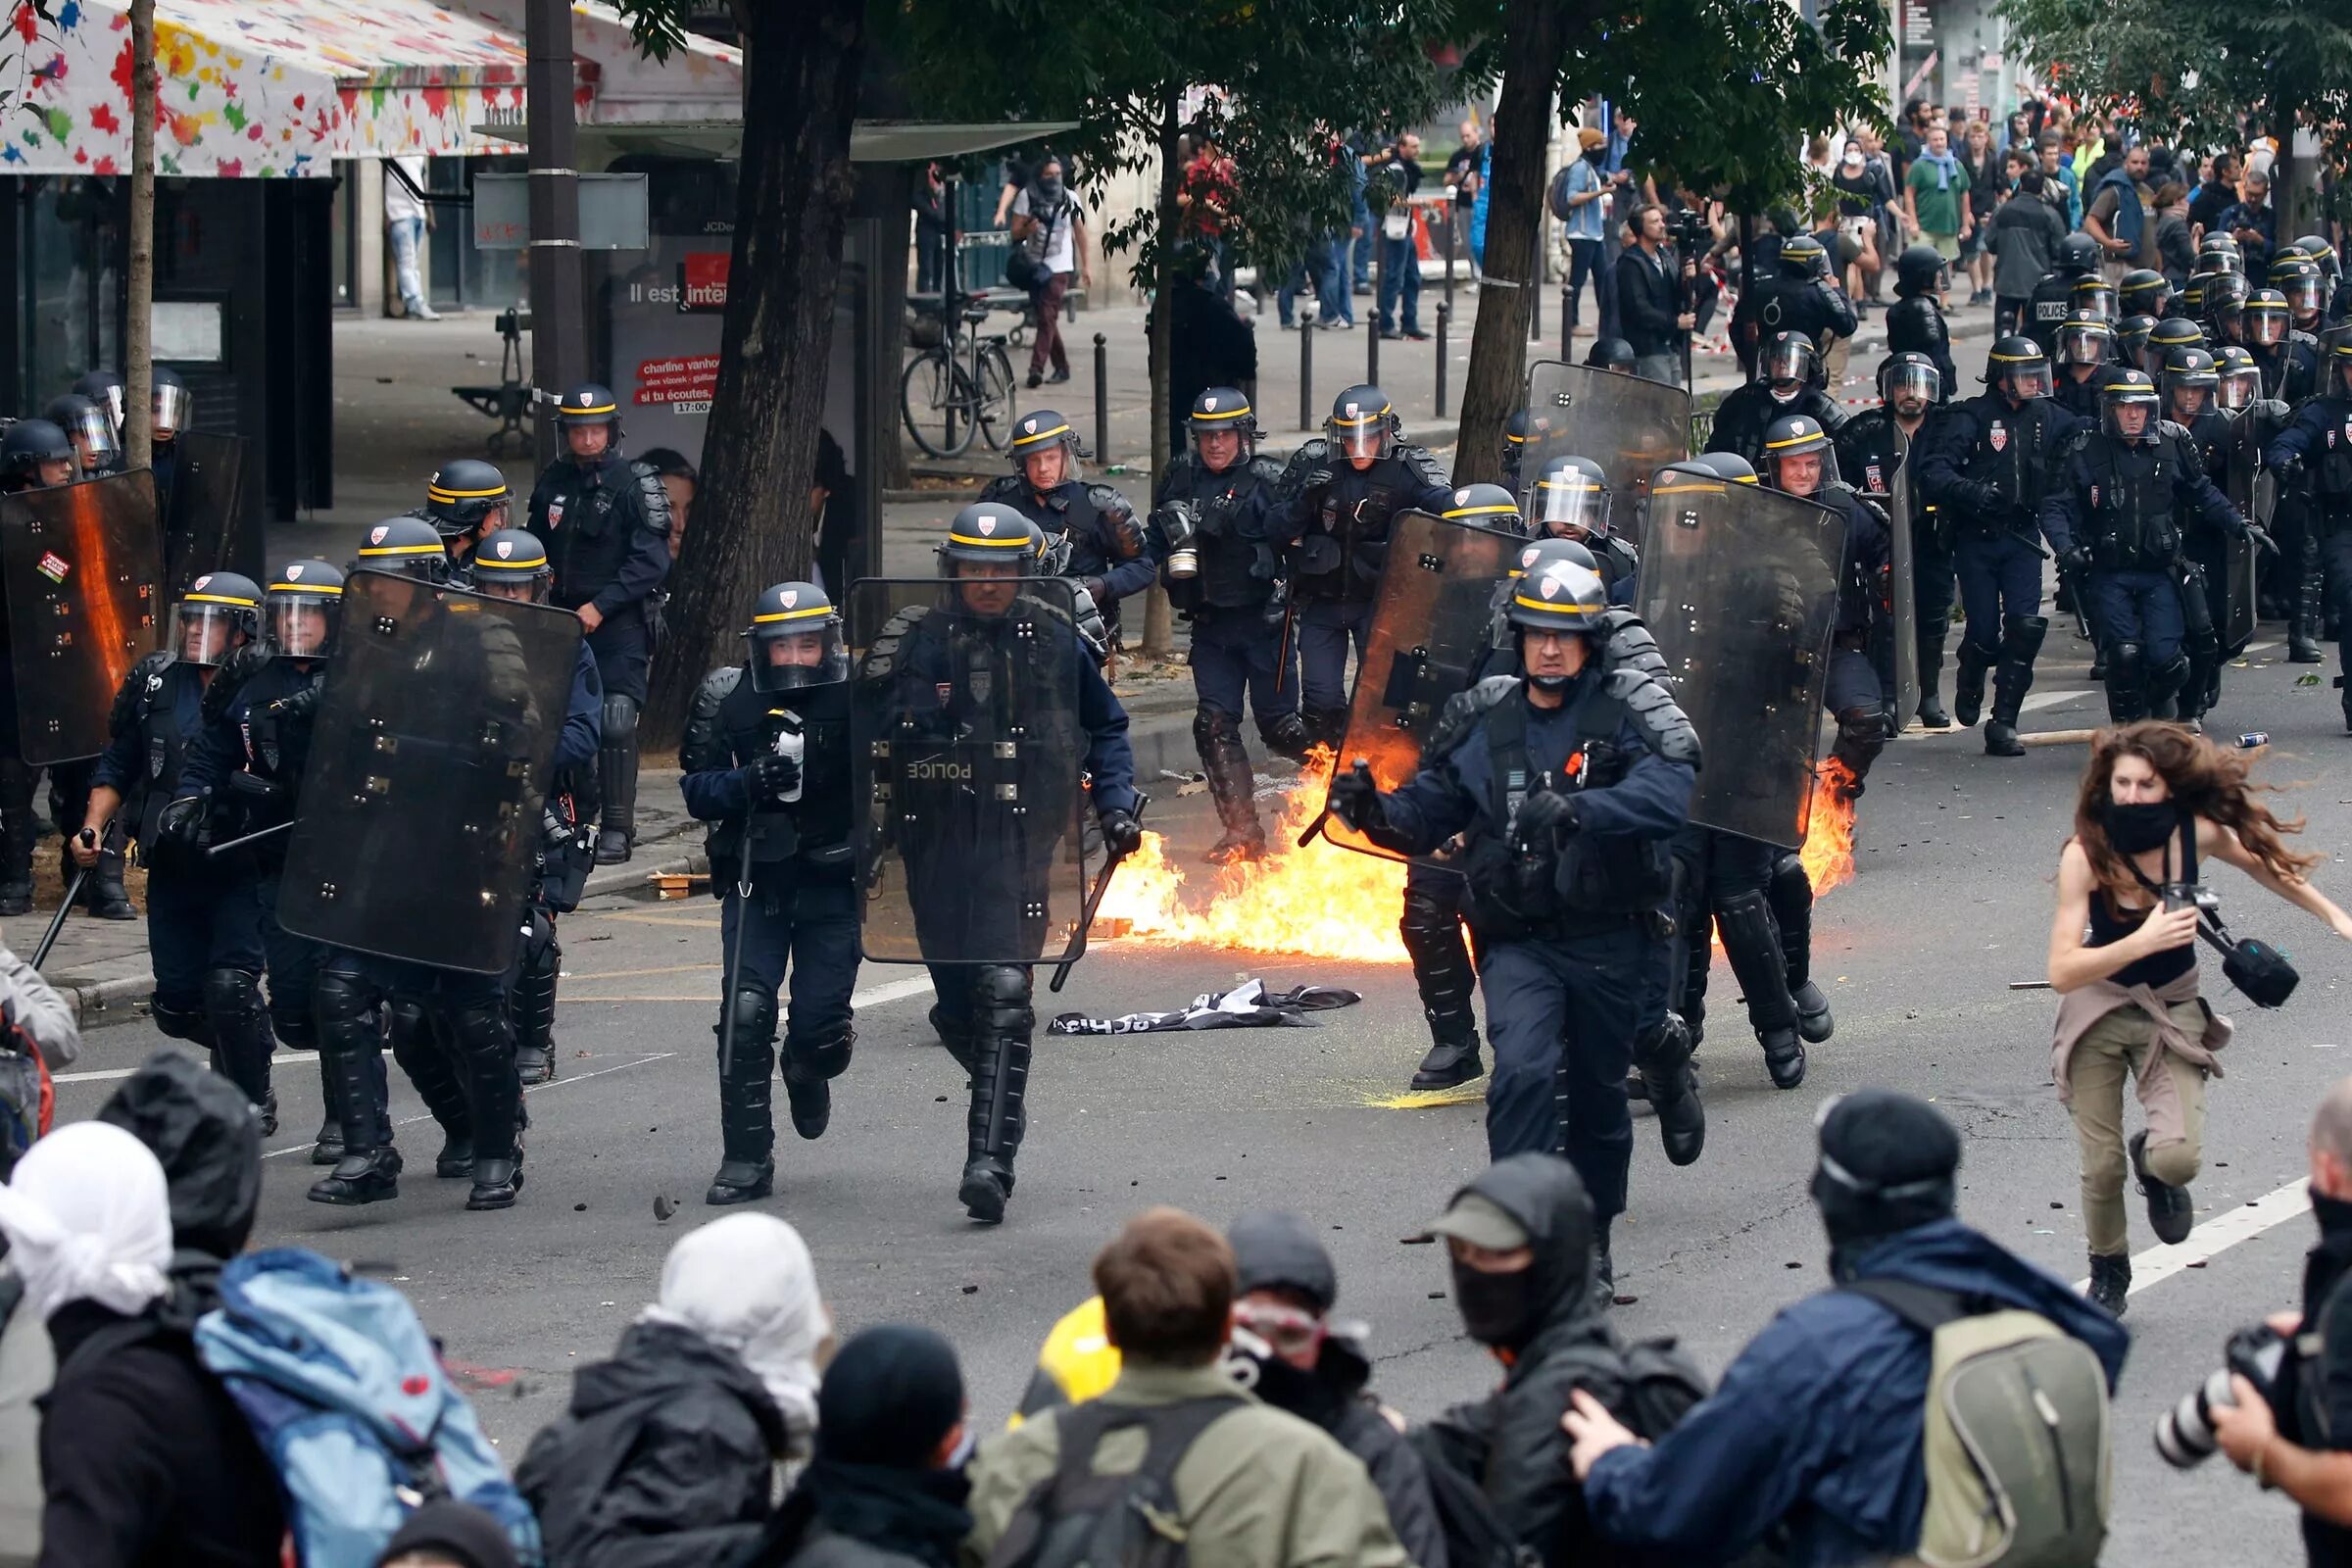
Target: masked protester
668,1455
1818,1428
202,1130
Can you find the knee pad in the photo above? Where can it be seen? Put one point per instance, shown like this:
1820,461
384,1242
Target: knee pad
233,994
809,1057
2021,637
481,1028
1862,733
291,1021
192,1024
621,720
1431,911
754,1014
1285,735
1001,994
1214,726
1791,891
345,1006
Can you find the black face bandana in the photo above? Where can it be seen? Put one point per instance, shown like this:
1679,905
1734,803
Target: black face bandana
1496,1308
2139,828
2335,1216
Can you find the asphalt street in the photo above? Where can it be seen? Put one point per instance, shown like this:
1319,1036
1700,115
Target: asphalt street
1950,908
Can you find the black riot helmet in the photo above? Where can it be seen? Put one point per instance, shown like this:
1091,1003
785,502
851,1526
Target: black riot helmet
89,428
2299,281
2175,332
988,531
2091,296
1515,431
1788,365
1223,409
2131,338
1909,377
1036,434
464,496
174,410
2077,253
1794,436
2085,339
1803,256
1571,500
2129,397
2336,370
2017,367
1729,466
104,388
304,605
2322,254
2265,319
2190,301
2240,378
795,639
587,407
36,455
2144,291
408,546
1610,353
2225,295
1558,595
1362,426
1537,554
1916,271
221,610
2221,254
511,563
1484,505
2190,382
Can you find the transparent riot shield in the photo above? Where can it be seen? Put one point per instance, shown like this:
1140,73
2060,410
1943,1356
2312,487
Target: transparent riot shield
211,528
429,757
1740,588
1902,504
81,565
1434,624
1629,425
966,755
2254,491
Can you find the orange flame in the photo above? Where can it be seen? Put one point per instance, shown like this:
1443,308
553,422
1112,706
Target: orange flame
1320,902
1828,852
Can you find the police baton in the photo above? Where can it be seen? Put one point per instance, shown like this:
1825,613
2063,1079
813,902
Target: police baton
726,981
1094,901
57,922
218,849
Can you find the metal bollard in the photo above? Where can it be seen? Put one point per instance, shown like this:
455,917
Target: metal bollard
1306,373
1449,226
1372,322
1102,399
1535,288
1444,314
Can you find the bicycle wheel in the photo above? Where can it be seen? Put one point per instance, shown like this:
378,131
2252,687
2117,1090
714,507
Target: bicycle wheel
995,407
934,401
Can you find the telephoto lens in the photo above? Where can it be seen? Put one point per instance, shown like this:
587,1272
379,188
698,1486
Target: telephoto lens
2184,1435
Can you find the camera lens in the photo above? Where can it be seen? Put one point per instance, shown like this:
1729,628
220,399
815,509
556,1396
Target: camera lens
2184,1436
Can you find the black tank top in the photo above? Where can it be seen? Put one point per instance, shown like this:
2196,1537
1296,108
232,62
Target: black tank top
2157,969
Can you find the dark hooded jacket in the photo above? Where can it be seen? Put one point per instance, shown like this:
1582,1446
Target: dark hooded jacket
1819,1424
666,1457
206,1137
1509,1444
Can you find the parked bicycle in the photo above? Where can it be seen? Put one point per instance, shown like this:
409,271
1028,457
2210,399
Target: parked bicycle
958,387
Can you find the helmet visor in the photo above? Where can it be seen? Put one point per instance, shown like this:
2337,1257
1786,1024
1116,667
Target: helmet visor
93,436
302,625
1219,444
1912,383
1365,438
1803,469
2093,299
2029,379
203,634
173,407
2267,327
2186,394
1570,505
1790,359
2240,387
524,587
2305,293
2084,342
2131,418
799,654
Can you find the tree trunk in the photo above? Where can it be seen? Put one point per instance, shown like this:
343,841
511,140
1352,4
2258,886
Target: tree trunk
752,521
138,371
1536,33
1157,630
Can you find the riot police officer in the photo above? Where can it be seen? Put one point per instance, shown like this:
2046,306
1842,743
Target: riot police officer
1108,552
2316,452
1216,561
2132,343
466,498
1334,505
2077,260
1799,460
171,409
1802,297
1612,354
204,913
104,388
1914,322
605,520
2289,359
1515,431
510,563
767,761
2143,291
1567,869
1787,382
2085,362
2288,584
977,880
243,774
2225,298
1875,449
1572,500
90,429
2113,516
1987,469
2298,280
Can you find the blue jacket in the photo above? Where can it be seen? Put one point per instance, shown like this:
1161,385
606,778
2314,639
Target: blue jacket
1819,1423
583,714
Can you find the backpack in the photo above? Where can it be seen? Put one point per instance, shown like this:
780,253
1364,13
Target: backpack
2017,1442
1555,196
1078,1519
346,1394
27,1097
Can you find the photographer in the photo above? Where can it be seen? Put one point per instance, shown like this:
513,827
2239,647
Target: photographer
2313,1398
1654,304
2156,801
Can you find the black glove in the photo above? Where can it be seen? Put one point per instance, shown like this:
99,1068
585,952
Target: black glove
1122,834
182,821
2262,540
1317,478
1542,814
1096,589
1987,501
2074,557
2288,466
297,708
1355,800
770,775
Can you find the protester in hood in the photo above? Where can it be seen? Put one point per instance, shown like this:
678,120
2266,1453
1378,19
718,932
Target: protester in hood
449,1534
1818,1427
1296,1358
145,1460
887,1487
670,1451
1521,1239
36,1021
202,1130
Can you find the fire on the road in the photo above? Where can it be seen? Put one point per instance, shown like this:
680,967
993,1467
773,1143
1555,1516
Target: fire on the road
1324,901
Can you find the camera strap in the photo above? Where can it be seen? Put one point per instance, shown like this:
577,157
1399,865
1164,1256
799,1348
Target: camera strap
2209,923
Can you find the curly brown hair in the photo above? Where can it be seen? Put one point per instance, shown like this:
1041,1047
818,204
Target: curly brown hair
2211,781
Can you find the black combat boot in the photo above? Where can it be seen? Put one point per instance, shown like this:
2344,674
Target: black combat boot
617,780
487,1040
102,892
243,1043
1930,675
747,1126
1791,895
1971,664
1662,1057
811,1064
2021,641
997,1119
531,1002
1226,762
2111,1283
430,1061
369,1171
2307,624
1430,927
1752,941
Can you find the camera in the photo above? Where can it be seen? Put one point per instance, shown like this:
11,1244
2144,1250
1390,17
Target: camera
1688,231
2184,1435
2178,896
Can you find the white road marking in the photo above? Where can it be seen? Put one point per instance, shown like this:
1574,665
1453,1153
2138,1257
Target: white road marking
912,986
2035,701
535,1089
2216,1235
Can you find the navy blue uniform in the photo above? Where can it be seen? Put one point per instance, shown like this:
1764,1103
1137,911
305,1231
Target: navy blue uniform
565,858
1571,957
1747,412
1108,551
1914,325
2320,441
799,912
1872,451
2291,370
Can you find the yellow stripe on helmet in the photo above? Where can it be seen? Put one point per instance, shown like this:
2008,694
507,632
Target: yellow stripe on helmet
792,615
1489,510
1062,429
433,548
434,492
220,599
335,589
1789,441
1018,541
495,564
600,408
1241,412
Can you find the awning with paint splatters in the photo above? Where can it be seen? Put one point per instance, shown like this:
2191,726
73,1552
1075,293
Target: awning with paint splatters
273,88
